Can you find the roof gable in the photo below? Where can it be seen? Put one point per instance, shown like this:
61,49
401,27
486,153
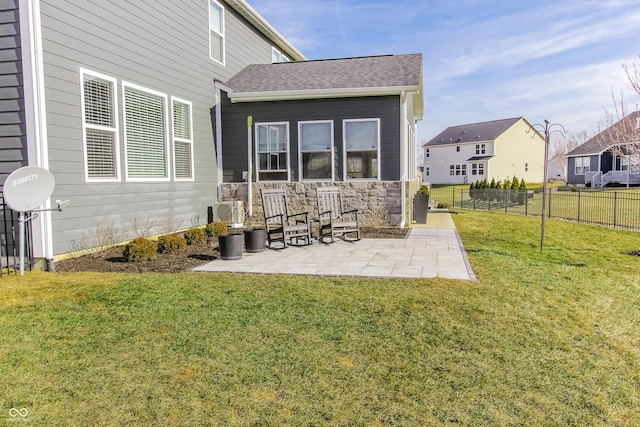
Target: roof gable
623,131
474,132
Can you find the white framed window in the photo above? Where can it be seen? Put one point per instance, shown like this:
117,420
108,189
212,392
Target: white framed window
145,134
182,125
480,168
216,32
457,148
361,148
624,163
277,56
427,171
474,168
526,167
457,170
481,148
98,97
582,165
315,140
426,153
272,151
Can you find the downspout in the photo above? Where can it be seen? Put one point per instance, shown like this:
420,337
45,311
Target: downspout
249,168
35,116
218,142
403,166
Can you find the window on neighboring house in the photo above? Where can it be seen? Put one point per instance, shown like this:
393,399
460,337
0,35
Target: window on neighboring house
316,149
582,165
481,149
526,167
273,151
145,130
474,168
457,148
277,56
480,168
362,140
100,126
457,170
426,152
624,163
216,31
426,170
182,139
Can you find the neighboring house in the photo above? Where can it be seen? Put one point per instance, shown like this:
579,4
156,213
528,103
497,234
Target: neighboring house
606,157
499,149
115,98
349,122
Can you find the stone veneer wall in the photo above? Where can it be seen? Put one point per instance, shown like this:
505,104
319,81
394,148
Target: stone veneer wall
379,202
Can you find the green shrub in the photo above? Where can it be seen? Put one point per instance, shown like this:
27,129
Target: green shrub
444,205
613,184
424,190
195,236
171,243
140,249
216,228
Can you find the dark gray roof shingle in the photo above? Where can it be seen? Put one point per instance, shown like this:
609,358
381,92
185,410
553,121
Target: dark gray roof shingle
474,132
622,131
347,73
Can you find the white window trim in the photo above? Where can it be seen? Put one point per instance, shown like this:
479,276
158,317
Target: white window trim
344,149
224,39
169,157
257,152
333,172
175,139
85,125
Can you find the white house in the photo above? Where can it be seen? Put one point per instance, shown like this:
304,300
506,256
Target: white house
499,149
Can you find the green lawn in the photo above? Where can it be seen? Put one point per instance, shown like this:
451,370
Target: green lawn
542,338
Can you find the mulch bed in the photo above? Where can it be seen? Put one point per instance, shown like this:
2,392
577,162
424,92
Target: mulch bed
195,255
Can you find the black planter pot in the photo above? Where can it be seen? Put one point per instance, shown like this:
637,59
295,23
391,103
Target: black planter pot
420,208
255,240
230,246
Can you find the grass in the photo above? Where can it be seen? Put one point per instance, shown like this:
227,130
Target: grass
542,338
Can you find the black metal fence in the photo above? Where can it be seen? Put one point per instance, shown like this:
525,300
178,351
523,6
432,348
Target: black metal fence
9,256
620,209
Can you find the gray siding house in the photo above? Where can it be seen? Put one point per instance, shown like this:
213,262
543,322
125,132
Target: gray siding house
349,122
117,100
606,157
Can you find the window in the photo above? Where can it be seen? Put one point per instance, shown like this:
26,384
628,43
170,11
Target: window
457,148
273,148
426,152
316,149
362,140
480,168
474,168
426,171
100,126
582,165
480,149
216,31
145,130
526,167
182,139
457,170
277,56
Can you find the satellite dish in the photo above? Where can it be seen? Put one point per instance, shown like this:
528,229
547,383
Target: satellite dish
28,188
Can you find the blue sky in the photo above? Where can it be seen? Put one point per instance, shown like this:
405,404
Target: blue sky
483,60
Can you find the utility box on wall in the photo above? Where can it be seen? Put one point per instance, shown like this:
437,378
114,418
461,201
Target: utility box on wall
231,212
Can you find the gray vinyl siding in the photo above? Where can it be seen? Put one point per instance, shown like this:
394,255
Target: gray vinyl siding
13,149
572,178
161,45
234,130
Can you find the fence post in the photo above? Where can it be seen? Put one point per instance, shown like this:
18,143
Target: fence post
579,205
506,198
615,208
549,204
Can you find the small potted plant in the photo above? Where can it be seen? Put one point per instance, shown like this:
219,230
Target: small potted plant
230,245
421,205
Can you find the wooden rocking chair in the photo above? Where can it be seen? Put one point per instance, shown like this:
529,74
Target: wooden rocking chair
281,226
334,220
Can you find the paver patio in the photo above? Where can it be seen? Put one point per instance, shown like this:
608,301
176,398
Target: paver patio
430,250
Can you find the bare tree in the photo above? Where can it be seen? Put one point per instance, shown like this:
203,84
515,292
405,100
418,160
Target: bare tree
560,145
620,132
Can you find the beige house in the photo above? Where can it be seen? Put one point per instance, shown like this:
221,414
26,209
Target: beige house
498,149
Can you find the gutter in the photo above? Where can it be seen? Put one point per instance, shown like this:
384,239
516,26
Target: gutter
288,95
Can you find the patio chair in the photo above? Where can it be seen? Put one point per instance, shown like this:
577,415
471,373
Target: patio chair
334,220
281,226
